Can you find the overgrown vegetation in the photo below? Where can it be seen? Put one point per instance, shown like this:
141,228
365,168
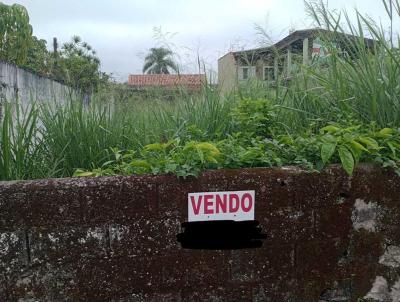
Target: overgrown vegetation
75,64
360,82
15,33
256,140
344,109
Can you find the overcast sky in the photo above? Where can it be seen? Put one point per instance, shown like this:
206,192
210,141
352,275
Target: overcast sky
122,31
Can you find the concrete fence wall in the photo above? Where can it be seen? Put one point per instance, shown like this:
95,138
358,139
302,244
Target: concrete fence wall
17,83
330,237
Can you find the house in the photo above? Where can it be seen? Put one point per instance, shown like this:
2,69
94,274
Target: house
281,59
191,82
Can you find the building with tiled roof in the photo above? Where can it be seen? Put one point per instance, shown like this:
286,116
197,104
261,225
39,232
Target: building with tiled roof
191,82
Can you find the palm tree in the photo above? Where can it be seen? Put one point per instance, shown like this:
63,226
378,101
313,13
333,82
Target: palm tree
159,61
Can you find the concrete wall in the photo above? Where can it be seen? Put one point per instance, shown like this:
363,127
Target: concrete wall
227,73
18,83
330,237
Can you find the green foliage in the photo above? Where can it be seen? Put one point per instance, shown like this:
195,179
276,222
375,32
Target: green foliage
172,157
73,135
23,154
358,77
348,142
360,142
159,61
77,65
195,157
81,134
56,141
389,148
333,143
38,57
15,33
254,117
80,66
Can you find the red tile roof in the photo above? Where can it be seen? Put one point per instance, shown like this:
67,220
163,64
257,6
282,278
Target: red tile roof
189,81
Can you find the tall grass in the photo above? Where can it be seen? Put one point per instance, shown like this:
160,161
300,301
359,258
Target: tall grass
363,82
53,140
208,115
23,153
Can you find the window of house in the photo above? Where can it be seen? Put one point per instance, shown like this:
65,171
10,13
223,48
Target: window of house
246,72
269,73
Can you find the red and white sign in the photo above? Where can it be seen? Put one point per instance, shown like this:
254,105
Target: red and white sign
234,205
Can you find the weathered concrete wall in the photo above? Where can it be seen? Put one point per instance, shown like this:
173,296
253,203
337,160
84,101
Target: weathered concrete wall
330,237
18,83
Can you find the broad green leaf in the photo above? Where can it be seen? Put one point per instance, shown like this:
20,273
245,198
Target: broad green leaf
117,156
108,163
355,150
347,137
352,128
207,147
140,163
385,132
329,138
128,156
370,142
395,145
211,159
392,148
81,173
154,147
286,139
330,128
346,157
327,150
354,144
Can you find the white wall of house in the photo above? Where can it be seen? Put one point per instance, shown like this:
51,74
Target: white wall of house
227,73
230,72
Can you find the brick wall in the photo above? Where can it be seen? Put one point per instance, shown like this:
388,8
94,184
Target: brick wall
330,237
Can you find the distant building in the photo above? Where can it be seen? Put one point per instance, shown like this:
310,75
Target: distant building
192,82
281,59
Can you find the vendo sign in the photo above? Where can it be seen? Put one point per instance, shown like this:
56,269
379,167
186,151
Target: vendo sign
233,205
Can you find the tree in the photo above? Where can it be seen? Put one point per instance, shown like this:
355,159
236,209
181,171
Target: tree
38,57
159,61
15,33
17,44
80,66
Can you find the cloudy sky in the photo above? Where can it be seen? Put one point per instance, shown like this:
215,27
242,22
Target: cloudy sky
123,30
